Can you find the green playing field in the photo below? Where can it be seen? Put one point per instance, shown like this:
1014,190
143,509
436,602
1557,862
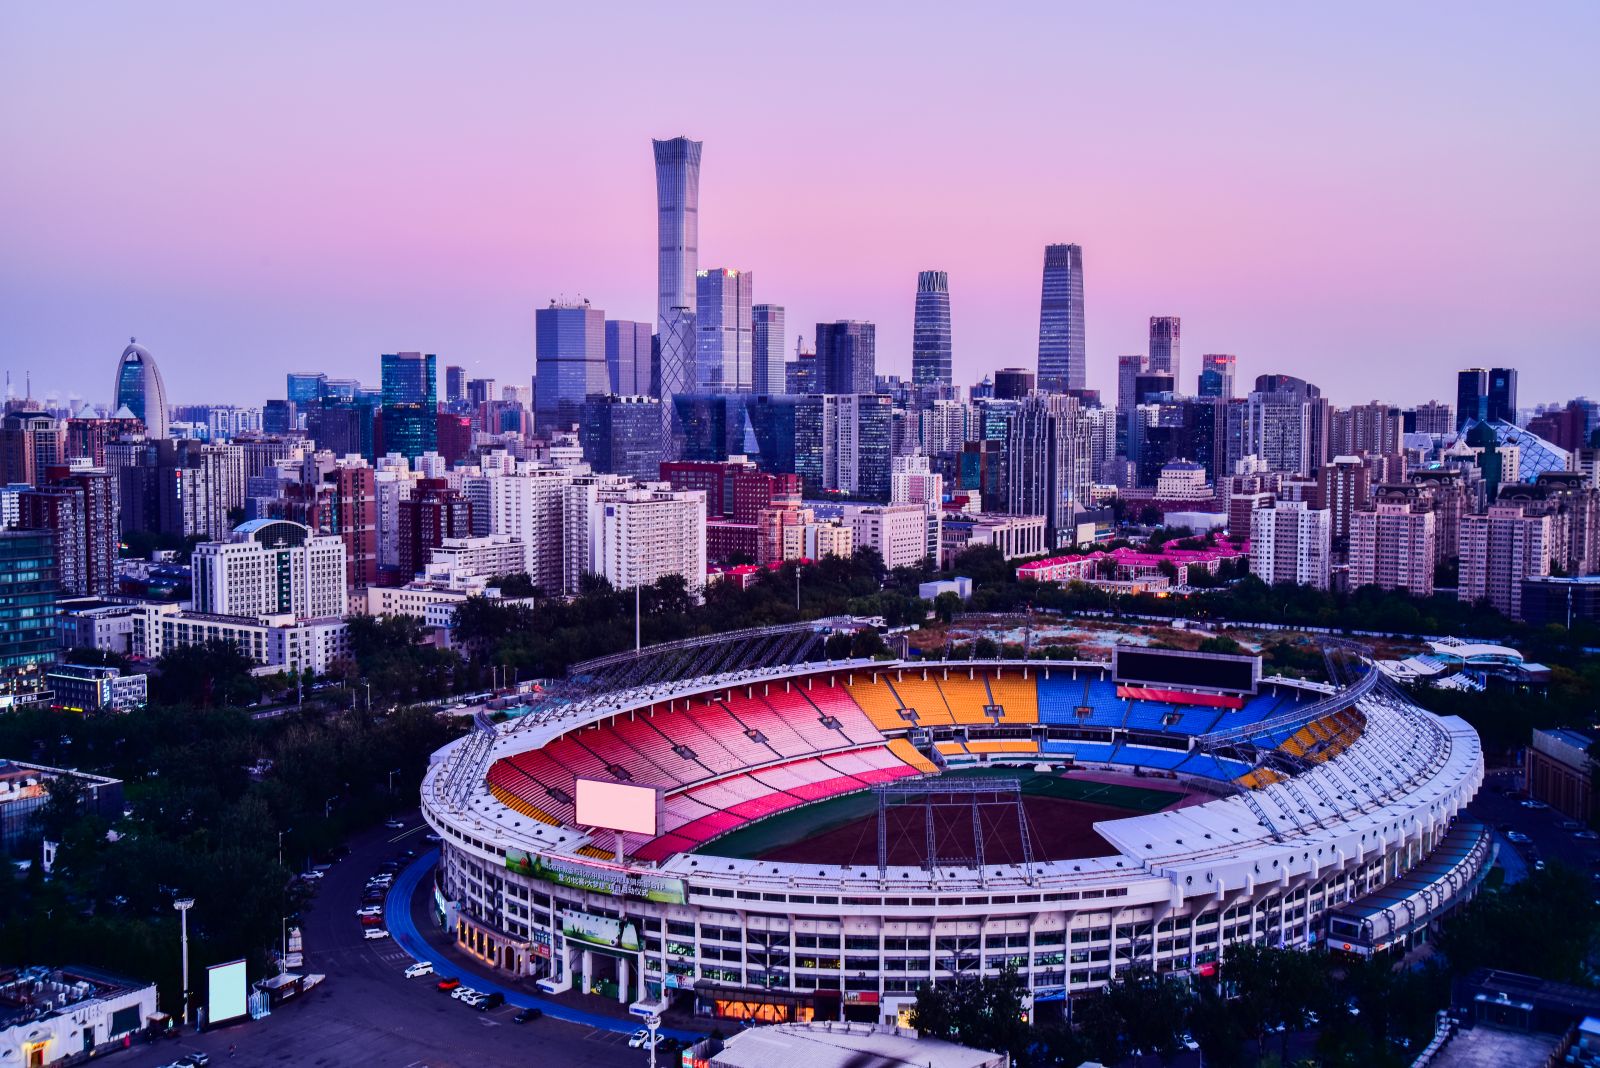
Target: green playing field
807,821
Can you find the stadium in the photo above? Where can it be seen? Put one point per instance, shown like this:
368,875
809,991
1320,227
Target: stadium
734,828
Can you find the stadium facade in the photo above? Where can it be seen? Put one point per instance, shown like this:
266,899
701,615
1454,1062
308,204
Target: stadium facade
1314,815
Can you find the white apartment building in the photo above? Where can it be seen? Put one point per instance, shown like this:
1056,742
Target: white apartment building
1501,547
485,557
271,567
1291,543
1392,547
639,534
912,481
529,506
274,642
897,531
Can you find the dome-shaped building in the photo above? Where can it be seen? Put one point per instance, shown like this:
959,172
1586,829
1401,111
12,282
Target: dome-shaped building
138,388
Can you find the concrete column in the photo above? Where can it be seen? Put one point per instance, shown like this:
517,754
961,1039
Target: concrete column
588,969
623,980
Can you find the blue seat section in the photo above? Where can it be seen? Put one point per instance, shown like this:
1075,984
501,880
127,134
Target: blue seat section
1080,751
1147,715
1060,695
1196,719
1207,766
1145,757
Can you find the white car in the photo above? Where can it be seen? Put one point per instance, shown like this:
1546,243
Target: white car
372,934
474,999
463,992
419,969
370,910
638,1039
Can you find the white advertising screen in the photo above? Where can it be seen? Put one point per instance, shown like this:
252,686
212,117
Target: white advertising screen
225,992
617,806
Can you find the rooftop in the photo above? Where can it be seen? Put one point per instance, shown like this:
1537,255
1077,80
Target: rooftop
37,993
847,1046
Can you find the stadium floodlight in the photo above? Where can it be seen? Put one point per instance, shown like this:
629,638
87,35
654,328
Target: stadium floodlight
183,905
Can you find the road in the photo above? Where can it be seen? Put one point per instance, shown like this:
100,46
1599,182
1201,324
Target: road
368,1013
1494,806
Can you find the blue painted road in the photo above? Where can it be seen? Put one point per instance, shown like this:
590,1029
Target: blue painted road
397,917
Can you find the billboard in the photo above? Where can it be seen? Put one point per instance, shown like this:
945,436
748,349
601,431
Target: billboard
1171,667
225,992
618,882
618,806
602,931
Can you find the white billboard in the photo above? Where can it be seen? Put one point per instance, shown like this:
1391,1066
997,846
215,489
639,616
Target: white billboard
618,806
225,992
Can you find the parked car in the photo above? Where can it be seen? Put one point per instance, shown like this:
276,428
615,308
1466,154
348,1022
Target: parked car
474,999
1570,825
638,1039
462,992
492,1000
1518,837
370,910
419,969
394,824
527,1015
195,1059
447,984
372,934
1588,836
373,921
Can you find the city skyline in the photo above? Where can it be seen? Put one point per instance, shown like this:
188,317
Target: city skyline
453,255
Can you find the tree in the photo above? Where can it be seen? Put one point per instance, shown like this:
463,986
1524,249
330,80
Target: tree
208,674
985,1013
946,605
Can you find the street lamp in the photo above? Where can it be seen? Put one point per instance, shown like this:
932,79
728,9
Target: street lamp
653,1023
283,898
183,905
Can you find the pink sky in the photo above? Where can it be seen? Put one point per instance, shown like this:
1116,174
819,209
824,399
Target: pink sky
1367,197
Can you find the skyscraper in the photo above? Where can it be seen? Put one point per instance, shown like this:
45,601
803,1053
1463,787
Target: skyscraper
306,388
1216,374
846,357
138,388
678,231
455,384
723,345
766,344
410,403
569,362
930,330
1486,393
628,358
1062,364
1164,331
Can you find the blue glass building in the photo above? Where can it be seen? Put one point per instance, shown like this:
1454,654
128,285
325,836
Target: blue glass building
930,330
569,362
410,403
139,388
1062,363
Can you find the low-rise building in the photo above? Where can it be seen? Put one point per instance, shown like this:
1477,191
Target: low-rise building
897,531
1560,771
275,643
25,788
1015,536
56,1015
96,688
846,1045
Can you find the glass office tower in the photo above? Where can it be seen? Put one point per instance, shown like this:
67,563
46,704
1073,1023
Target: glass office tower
569,362
410,404
930,330
766,345
847,357
723,360
1062,363
139,388
678,234
1165,334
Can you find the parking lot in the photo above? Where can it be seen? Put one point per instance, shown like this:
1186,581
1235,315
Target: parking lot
1530,836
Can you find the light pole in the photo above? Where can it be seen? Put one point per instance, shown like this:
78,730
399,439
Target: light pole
183,905
392,772
284,899
653,1023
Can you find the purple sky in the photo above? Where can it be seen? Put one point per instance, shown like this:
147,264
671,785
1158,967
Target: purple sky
1367,196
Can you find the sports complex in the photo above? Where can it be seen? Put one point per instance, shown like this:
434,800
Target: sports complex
736,829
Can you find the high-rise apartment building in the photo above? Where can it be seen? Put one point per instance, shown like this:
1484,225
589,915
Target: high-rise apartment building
846,357
912,480
628,369
678,244
480,391
432,513
1216,375
767,352
1291,542
640,534
1365,429
1062,356
842,442
1344,487
570,362
139,389
1286,424
930,330
1501,547
1048,458
1392,545
528,506
31,442
271,567
724,347
1165,335
410,403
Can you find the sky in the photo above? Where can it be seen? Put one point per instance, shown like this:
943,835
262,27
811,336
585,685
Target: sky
1368,196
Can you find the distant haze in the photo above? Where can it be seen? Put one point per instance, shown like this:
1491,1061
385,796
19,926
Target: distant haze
1367,196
